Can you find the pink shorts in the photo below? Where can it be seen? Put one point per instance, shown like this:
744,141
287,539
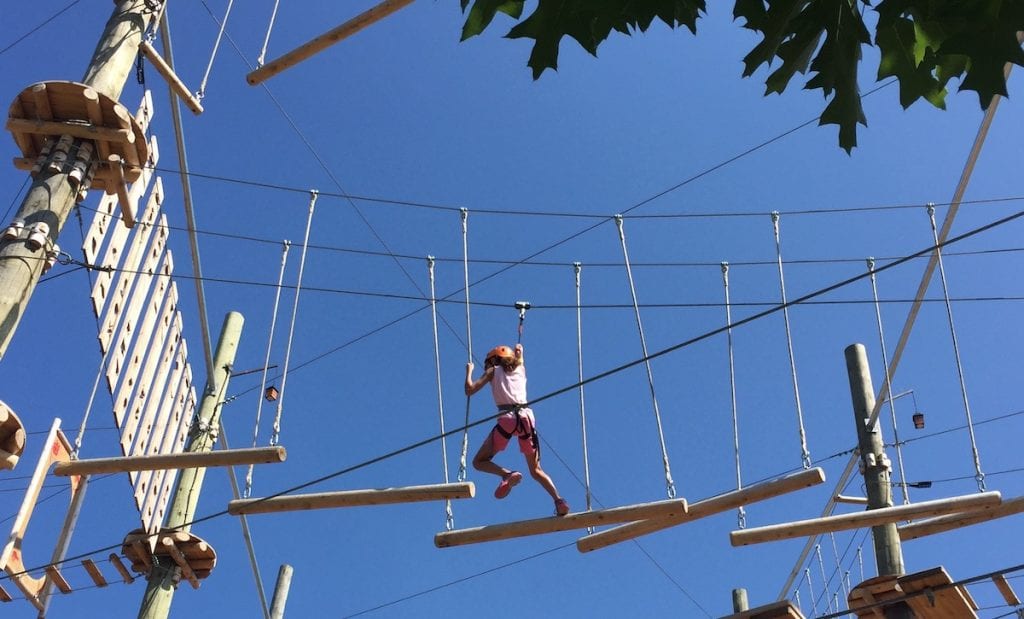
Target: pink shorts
524,427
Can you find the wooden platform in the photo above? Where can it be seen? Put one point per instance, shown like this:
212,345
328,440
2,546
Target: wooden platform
194,556
12,437
929,594
43,112
782,609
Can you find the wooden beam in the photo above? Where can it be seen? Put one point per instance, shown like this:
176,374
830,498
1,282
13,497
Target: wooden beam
580,520
707,507
115,560
171,78
58,579
965,518
322,42
85,132
94,572
869,518
1004,587
179,558
226,457
352,498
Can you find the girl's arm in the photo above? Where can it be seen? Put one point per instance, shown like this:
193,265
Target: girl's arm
472,386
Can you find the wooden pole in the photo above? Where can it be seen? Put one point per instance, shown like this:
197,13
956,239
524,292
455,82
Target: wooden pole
172,79
322,42
942,524
160,586
579,520
51,197
870,518
352,498
704,508
158,462
284,583
875,464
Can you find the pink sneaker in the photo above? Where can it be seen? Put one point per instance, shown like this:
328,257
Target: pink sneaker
506,484
561,507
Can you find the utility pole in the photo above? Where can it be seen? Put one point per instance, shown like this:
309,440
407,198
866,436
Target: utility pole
875,467
162,579
51,197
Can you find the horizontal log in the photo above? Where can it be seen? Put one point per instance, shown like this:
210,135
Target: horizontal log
949,522
325,40
869,518
171,78
159,462
704,508
554,524
94,572
352,498
85,132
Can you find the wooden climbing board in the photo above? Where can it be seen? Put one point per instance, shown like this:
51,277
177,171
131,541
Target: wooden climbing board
194,556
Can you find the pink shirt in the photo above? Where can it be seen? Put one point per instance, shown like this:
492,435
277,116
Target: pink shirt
510,387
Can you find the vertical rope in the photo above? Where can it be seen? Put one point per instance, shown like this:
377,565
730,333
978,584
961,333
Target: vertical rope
266,40
577,268
266,364
669,484
887,388
796,598
464,213
805,455
291,329
449,516
978,475
824,580
860,561
213,55
810,591
839,569
741,514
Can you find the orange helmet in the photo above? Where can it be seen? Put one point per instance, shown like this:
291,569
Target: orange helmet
501,352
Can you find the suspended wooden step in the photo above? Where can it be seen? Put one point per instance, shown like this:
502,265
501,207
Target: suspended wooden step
352,498
1006,590
12,437
869,518
929,595
193,555
660,509
126,576
702,509
45,117
94,572
172,79
942,524
159,462
325,40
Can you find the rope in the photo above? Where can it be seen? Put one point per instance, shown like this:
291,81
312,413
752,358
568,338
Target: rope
810,592
839,569
886,393
669,484
449,516
464,213
209,67
291,330
804,453
577,267
741,514
824,580
266,362
266,40
978,475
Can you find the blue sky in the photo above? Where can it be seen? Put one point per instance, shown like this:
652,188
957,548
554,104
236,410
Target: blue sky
415,125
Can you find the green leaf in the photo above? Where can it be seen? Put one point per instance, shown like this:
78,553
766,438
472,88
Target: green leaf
483,12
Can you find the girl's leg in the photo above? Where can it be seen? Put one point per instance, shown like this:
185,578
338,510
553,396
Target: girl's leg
533,462
482,461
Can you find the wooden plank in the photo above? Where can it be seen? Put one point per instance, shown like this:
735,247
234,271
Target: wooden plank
704,508
580,520
222,457
170,414
325,40
136,426
126,576
95,235
869,518
965,518
149,444
41,98
171,78
95,113
58,579
120,187
179,558
94,572
352,498
82,131
1006,590
177,442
